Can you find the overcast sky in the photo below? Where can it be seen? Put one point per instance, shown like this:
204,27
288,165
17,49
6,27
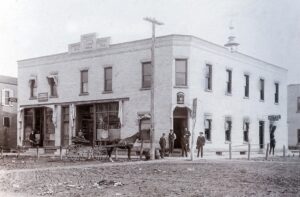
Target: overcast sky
266,29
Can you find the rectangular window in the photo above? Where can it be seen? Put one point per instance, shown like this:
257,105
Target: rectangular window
228,125
146,74
181,72
262,89
246,86
84,82
229,81
207,128
52,80
6,94
33,88
208,77
276,93
6,122
108,79
298,104
246,131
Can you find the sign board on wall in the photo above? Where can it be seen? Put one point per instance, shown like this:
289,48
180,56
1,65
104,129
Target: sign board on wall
274,117
42,97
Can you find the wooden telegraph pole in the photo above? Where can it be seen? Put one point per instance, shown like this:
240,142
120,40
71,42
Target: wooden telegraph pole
154,22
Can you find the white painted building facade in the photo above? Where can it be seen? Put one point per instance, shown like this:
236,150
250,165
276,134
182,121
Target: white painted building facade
293,109
186,68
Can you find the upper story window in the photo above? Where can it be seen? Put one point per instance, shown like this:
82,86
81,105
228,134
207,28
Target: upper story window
53,80
108,79
262,89
298,104
246,92
181,72
146,74
33,87
6,122
84,81
228,126
229,81
6,94
208,77
276,93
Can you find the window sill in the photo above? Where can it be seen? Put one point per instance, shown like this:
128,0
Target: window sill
228,94
33,98
84,94
208,90
142,89
181,86
245,142
107,92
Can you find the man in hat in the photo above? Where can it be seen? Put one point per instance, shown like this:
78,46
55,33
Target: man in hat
172,138
272,137
200,144
162,143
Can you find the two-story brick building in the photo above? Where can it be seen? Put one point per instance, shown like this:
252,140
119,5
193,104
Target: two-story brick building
8,113
103,90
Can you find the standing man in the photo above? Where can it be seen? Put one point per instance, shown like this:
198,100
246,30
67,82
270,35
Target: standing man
200,144
272,137
32,138
163,144
172,138
184,144
187,134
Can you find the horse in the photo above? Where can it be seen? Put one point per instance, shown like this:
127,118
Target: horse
126,143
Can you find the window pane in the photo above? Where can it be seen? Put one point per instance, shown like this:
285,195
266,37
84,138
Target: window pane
108,73
147,68
84,76
180,79
180,66
108,85
147,82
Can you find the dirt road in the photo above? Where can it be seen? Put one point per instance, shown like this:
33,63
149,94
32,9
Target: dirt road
163,178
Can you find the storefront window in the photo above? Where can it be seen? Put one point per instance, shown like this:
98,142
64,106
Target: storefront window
107,116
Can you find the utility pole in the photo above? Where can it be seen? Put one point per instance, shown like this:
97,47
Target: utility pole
154,22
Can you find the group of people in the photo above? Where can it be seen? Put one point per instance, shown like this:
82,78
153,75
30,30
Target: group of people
184,142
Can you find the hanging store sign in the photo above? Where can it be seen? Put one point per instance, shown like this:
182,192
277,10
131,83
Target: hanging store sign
42,97
274,117
13,99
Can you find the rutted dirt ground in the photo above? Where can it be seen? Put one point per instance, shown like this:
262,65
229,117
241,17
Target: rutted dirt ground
162,178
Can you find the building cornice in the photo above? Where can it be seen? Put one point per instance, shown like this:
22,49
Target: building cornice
145,44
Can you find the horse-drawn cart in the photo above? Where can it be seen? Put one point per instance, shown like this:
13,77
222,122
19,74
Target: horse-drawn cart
80,149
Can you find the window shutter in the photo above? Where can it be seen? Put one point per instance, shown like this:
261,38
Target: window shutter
11,94
3,97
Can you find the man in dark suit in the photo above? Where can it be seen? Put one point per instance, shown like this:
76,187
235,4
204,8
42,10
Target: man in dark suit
172,138
200,144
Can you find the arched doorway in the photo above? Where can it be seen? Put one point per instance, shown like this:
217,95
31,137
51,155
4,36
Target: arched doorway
180,121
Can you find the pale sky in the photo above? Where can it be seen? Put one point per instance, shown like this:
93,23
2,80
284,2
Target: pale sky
266,29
